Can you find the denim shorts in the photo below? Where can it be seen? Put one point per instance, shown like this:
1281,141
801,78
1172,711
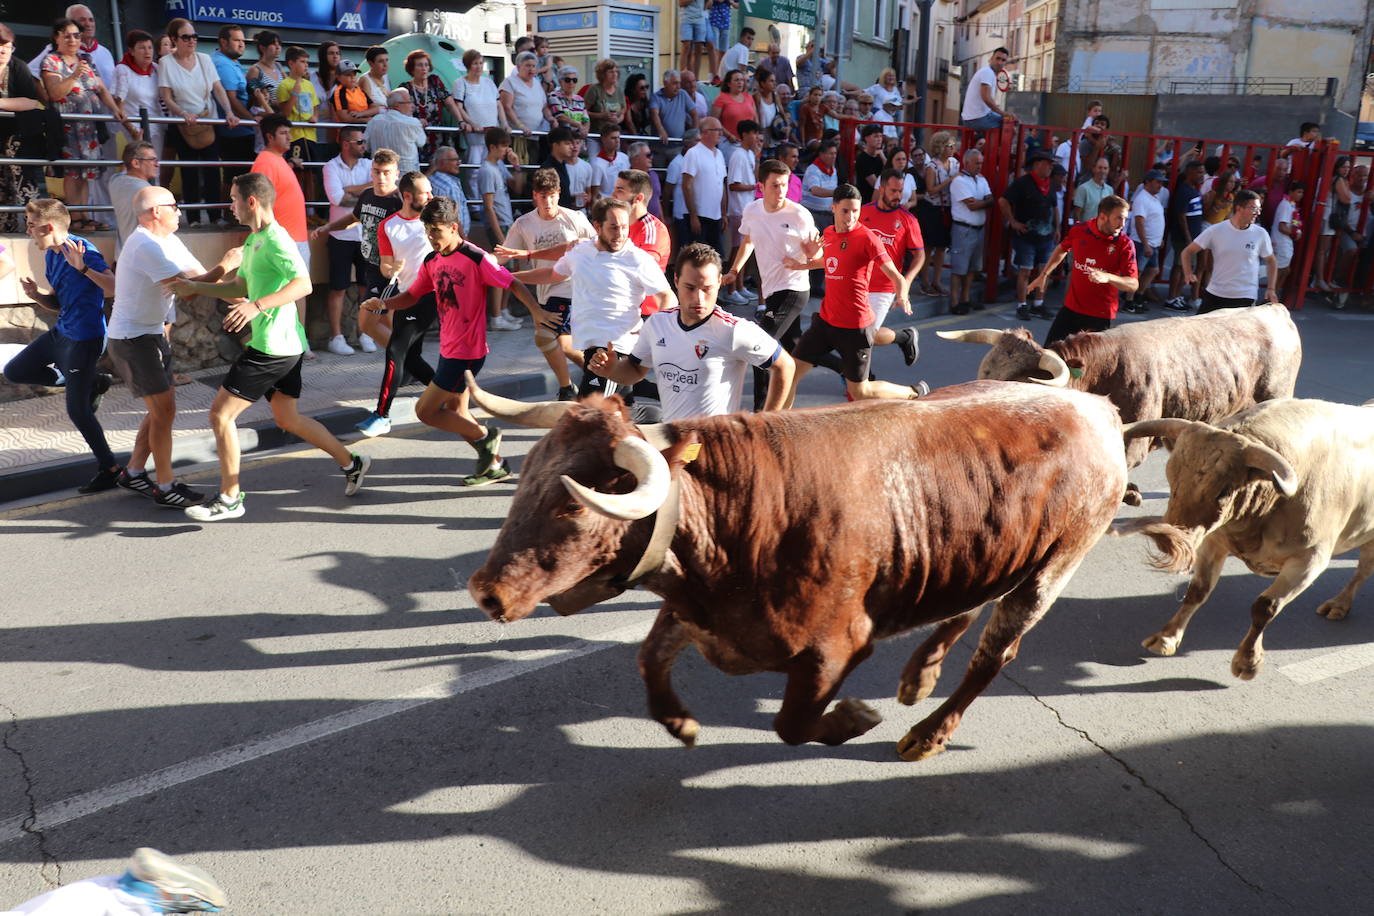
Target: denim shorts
965,249
698,32
1028,251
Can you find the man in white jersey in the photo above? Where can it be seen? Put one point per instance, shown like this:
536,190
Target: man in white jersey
610,279
699,351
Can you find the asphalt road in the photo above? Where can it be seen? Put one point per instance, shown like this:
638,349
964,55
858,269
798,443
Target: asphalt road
305,703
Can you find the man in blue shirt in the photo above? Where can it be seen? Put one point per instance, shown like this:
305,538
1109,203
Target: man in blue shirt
67,354
235,143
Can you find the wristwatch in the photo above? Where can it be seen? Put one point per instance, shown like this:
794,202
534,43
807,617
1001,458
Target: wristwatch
85,269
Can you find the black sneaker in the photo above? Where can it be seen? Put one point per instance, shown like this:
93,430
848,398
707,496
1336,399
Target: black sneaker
355,474
960,309
177,496
567,393
103,480
1039,311
1023,312
906,339
103,381
1178,304
487,447
498,471
138,483
1135,308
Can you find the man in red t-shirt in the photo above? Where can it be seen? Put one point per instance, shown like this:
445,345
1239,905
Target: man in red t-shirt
647,232
1103,264
848,251
900,234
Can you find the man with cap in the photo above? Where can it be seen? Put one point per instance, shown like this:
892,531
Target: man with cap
1146,229
1030,207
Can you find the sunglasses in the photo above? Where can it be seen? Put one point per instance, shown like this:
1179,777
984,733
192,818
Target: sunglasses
569,79
191,37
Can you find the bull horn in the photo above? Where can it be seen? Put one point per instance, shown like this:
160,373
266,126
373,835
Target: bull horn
1054,364
650,470
659,435
1170,428
989,336
1265,459
537,414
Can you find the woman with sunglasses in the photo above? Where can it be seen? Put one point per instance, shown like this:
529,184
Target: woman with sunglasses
188,82
567,107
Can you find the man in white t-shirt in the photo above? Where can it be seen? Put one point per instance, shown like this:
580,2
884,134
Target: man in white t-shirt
1309,135
970,196
1287,229
1147,232
981,110
608,163
610,279
1237,245
698,350
704,187
672,187
143,311
742,178
737,58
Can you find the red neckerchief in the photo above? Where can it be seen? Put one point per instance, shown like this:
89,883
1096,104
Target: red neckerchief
128,61
601,154
1044,186
824,171
90,48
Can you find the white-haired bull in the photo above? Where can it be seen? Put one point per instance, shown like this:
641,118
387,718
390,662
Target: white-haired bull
793,541
1284,486
1204,367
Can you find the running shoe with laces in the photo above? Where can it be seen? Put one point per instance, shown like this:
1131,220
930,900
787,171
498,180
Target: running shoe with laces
104,479
355,474
487,448
170,887
217,509
906,340
498,471
375,425
139,483
339,347
567,393
177,496
1178,304
367,344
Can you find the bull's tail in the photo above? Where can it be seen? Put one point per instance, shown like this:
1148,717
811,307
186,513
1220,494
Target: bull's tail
1177,547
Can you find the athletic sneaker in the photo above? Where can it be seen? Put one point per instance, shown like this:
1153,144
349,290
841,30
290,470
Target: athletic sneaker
1178,304
1039,311
103,381
367,343
960,308
921,388
1023,312
511,319
139,483
1135,308
104,479
355,474
567,393
339,347
375,425
487,447
217,509
498,471
178,496
170,886
906,340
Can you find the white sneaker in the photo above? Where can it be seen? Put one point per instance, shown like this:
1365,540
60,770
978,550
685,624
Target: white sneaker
339,347
516,323
367,343
502,323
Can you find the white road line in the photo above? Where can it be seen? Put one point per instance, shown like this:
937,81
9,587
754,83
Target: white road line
1333,663
84,805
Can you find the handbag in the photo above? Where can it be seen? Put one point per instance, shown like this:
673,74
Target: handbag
1339,218
197,136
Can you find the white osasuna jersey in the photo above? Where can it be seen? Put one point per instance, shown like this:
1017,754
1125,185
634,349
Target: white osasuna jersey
700,369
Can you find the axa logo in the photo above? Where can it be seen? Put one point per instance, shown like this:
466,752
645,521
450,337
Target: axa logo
350,22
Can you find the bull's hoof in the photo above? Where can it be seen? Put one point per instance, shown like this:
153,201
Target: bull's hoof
1335,609
910,693
1160,644
1246,667
916,746
683,729
852,717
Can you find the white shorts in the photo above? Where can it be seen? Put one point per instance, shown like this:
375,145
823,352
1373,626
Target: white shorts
304,249
881,304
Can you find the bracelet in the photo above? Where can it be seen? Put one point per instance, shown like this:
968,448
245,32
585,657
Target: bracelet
85,269
258,306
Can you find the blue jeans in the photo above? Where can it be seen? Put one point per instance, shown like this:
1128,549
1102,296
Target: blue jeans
989,121
76,360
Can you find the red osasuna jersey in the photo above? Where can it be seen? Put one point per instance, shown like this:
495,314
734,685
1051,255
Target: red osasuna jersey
849,256
1091,249
900,234
650,234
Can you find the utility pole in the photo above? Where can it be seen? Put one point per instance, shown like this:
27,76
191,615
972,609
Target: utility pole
923,59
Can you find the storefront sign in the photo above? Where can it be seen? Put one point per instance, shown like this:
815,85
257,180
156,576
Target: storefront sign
797,12
632,22
566,22
317,15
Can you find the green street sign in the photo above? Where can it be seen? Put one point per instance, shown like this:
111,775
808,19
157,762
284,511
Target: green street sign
798,12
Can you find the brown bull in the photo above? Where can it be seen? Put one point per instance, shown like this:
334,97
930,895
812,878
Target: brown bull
1204,367
794,540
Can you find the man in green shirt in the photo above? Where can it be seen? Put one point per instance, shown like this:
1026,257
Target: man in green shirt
270,280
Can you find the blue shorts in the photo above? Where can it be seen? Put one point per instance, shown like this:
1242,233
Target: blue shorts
561,309
448,375
990,121
1143,263
720,37
699,32
1028,251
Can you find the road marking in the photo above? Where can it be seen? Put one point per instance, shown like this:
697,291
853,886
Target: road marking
89,803
1332,664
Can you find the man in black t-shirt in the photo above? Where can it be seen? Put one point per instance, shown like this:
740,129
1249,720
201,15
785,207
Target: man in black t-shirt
1030,206
869,162
374,205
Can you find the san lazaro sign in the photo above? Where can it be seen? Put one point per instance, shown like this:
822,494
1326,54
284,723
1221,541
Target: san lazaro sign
317,15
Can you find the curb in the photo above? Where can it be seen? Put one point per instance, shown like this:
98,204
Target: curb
254,438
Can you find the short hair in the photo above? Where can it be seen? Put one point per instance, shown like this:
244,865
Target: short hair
399,97
131,151
746,31
637,181
770,167
6,34
471,56
670,74
1110,204
225,31
604,205
1093,103
546,181
522,57
1193,164
602,67
60,26
257,186
637,147
1212,164
414,57
272,123
1306,126
844,191
174,27
296,52
264,38
561,134
376,51
1106,121
610,129
747,127
1244,197
1000,50
48,210
1296,186
407,183
350,129
136,35
441,211
699,255
496,136
385,157
891,173
785,148
869,130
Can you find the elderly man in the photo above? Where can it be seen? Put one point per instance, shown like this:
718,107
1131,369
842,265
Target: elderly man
672,111
1092,192
101,58
778,65
398,129
970,200
444,180
641,159
140,171
704,187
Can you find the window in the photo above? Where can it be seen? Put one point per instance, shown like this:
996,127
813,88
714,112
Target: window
1049,31
880,30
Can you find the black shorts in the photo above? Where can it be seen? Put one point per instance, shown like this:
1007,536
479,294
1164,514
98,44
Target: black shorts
344,258
449,373
255,374
561,309
373,280
1069,322
307,150
1212,302
855,346
144,362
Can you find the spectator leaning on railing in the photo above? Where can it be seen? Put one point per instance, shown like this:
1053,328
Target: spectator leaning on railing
480,102
21,136
566,107
605,100
376,82
395,129
526,104
188,82
135,86
430,97
236,144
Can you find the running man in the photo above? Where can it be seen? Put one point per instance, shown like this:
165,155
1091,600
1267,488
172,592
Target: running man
900,233
402,246
1103,265
458,274
699,351
374,205
270,280
845,321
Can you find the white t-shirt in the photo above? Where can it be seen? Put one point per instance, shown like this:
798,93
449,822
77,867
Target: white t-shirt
962,188
481,101
882,96
1236,254
777,236
700,369
581,176
141,304
742,169
533,232
605,172
703,108
338,176
608,287
1283,244
737,58
1147,205
707,168
102,896
192,90
974,106
528,101
137,91
1298,141
674,178
1063,153
405,239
